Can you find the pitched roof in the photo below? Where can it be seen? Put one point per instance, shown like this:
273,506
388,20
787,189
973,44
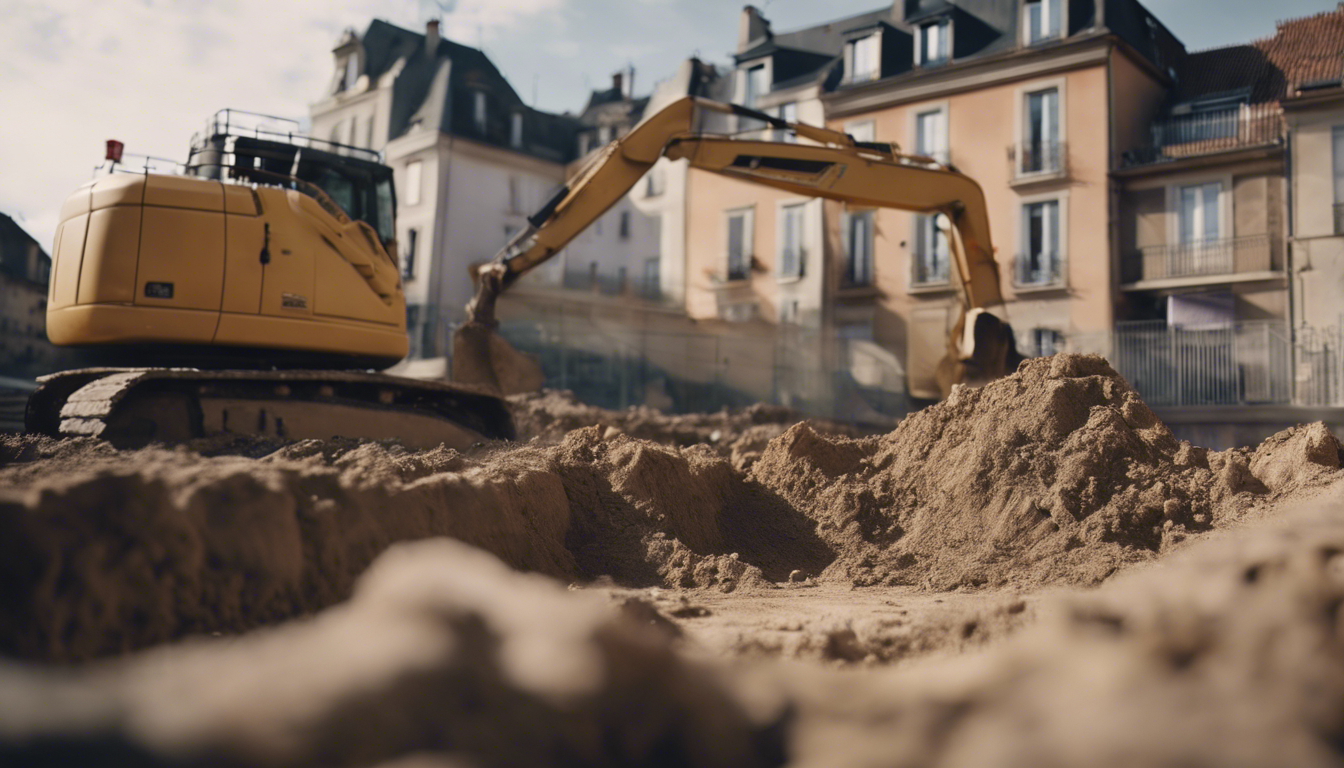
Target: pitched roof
438,91
1302,51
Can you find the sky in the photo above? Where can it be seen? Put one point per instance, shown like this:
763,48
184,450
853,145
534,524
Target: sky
74,73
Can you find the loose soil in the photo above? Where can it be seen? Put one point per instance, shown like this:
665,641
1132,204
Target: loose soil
932,587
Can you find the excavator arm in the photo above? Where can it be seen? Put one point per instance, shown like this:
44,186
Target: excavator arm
836,167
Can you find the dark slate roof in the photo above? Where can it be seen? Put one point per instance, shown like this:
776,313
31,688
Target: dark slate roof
829,38
544,135
1302,51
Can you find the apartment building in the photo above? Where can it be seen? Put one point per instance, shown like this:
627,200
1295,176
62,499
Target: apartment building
25,270
471,160
1314,111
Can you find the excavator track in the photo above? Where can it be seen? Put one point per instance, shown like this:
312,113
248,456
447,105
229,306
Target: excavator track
135,407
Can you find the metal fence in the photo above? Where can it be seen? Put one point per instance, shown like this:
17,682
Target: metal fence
615,366
1236,364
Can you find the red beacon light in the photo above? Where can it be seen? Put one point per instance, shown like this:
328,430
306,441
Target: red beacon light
114,149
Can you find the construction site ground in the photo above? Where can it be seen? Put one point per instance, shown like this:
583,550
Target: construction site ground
1034,573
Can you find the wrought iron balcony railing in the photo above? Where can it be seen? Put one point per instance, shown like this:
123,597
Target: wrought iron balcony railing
1191,135
1037,270
1206,257
1033,160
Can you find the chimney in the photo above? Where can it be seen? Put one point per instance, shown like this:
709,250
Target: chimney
618,82
752,28
432,37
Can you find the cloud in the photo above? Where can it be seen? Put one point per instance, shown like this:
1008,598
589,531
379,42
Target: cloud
149,73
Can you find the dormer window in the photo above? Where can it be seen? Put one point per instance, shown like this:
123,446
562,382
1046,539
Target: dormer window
516,130
1041,20
863,61
756,85
934,43
351,71
478,110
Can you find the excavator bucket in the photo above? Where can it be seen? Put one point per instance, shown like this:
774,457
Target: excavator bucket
481,357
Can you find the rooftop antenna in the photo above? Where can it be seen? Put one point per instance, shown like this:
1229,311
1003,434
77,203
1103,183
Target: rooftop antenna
535,77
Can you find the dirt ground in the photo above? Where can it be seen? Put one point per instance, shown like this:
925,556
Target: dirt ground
1032,573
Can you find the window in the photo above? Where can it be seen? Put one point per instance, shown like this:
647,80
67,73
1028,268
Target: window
862,131
930,264
654,182
604,134
408,262
1041,20
624,230
354,136
515,196
413,183
859,248
931,135
351,73
585,143
478,110
862,59
1039,262
1197,213
788,311
791,242
1043,342
369,135
516,129
755,85
651,287
739,245
788,112
1339,178
1040,134
933,43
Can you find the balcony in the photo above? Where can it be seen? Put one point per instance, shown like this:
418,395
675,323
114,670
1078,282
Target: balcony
1038,271
1252,255
929,273
1038,161
1186,136
1235,364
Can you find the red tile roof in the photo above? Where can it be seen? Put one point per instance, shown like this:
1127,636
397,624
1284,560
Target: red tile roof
1301,51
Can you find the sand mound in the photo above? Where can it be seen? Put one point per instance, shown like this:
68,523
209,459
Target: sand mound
739,434
1229,653
440,649
1057,474
118,551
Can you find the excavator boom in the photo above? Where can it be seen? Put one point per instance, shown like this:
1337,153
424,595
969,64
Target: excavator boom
835,167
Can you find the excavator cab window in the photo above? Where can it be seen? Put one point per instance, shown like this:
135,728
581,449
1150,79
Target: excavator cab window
362,190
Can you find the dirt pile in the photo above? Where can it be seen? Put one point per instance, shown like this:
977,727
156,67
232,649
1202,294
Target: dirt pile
108,551
1058,474
443,653
740,434
1230,652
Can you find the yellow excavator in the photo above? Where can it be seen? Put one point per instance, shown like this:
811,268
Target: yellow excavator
252,291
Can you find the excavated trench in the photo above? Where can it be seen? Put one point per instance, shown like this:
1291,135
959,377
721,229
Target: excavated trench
1053,479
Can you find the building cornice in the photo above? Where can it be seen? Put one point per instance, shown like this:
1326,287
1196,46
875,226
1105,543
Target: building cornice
920,85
